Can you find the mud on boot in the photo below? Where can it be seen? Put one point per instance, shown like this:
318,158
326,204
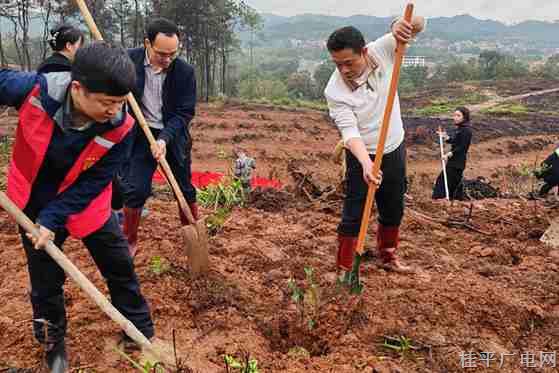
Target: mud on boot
57,359
127,344
395,265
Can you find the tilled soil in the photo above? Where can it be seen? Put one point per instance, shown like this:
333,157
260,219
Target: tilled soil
484,281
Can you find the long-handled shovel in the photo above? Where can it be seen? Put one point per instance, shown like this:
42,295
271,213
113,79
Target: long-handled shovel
398,58
195,235
443,163
79,278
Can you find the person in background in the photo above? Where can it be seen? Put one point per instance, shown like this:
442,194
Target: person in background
243,168
460,140
166,92
549,173
65,40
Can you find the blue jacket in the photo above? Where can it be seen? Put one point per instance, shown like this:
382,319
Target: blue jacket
45,204
179,100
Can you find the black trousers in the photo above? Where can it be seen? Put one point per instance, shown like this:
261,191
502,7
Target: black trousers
389,197
136,176
455,185
551,174
109,249
117,200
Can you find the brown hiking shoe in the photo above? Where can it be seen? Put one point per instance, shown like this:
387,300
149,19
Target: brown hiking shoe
127,344
396,266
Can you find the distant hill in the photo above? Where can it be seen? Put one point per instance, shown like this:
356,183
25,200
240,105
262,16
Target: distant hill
457,28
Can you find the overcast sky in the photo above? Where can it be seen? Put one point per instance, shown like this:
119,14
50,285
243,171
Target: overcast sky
486,9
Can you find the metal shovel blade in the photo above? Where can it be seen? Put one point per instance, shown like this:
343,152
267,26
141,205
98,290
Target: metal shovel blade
196,246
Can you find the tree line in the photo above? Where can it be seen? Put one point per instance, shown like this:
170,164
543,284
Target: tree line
208,31
210,41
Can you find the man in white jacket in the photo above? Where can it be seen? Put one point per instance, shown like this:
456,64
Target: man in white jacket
357,94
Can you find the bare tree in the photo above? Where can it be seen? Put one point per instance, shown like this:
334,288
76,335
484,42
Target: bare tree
3,61
20,13
122,10
138,21
46,16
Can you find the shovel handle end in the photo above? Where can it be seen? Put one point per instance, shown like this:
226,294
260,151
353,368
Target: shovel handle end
409,12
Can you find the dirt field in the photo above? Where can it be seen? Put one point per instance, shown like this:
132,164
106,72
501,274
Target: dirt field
487,285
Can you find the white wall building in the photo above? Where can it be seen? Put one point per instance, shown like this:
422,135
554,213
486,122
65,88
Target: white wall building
414,61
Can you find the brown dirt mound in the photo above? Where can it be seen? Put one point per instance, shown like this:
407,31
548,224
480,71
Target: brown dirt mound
270,199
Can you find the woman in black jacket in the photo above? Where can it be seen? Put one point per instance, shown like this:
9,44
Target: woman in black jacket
460,141
65,40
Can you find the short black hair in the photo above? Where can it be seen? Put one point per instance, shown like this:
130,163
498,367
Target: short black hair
465,113
63,34
161,26
346,37
104,68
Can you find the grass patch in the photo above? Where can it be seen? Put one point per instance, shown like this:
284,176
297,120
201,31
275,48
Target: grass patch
445,105
286,102
293,103
436,108
507,109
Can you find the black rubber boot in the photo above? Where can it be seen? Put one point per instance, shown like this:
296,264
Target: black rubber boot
57,360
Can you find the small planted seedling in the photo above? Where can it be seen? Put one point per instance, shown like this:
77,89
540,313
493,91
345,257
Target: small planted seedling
158,265
215,221
351,278
248,365
403,345
312,298
146,367
297,296
307,300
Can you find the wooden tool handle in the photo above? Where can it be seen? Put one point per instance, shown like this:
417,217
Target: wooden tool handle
142,121
74,273
399,56
445,177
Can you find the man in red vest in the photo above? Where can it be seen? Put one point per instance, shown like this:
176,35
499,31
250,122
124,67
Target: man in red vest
72,135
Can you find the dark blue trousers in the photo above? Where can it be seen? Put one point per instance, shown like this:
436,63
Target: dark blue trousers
136,175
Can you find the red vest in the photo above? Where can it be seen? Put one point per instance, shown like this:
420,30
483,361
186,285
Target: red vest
33,136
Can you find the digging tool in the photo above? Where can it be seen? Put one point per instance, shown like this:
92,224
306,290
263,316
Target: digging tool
353,277
195,235
551,236
82,281
440,132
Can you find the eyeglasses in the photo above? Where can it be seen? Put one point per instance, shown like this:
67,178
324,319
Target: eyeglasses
163,55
